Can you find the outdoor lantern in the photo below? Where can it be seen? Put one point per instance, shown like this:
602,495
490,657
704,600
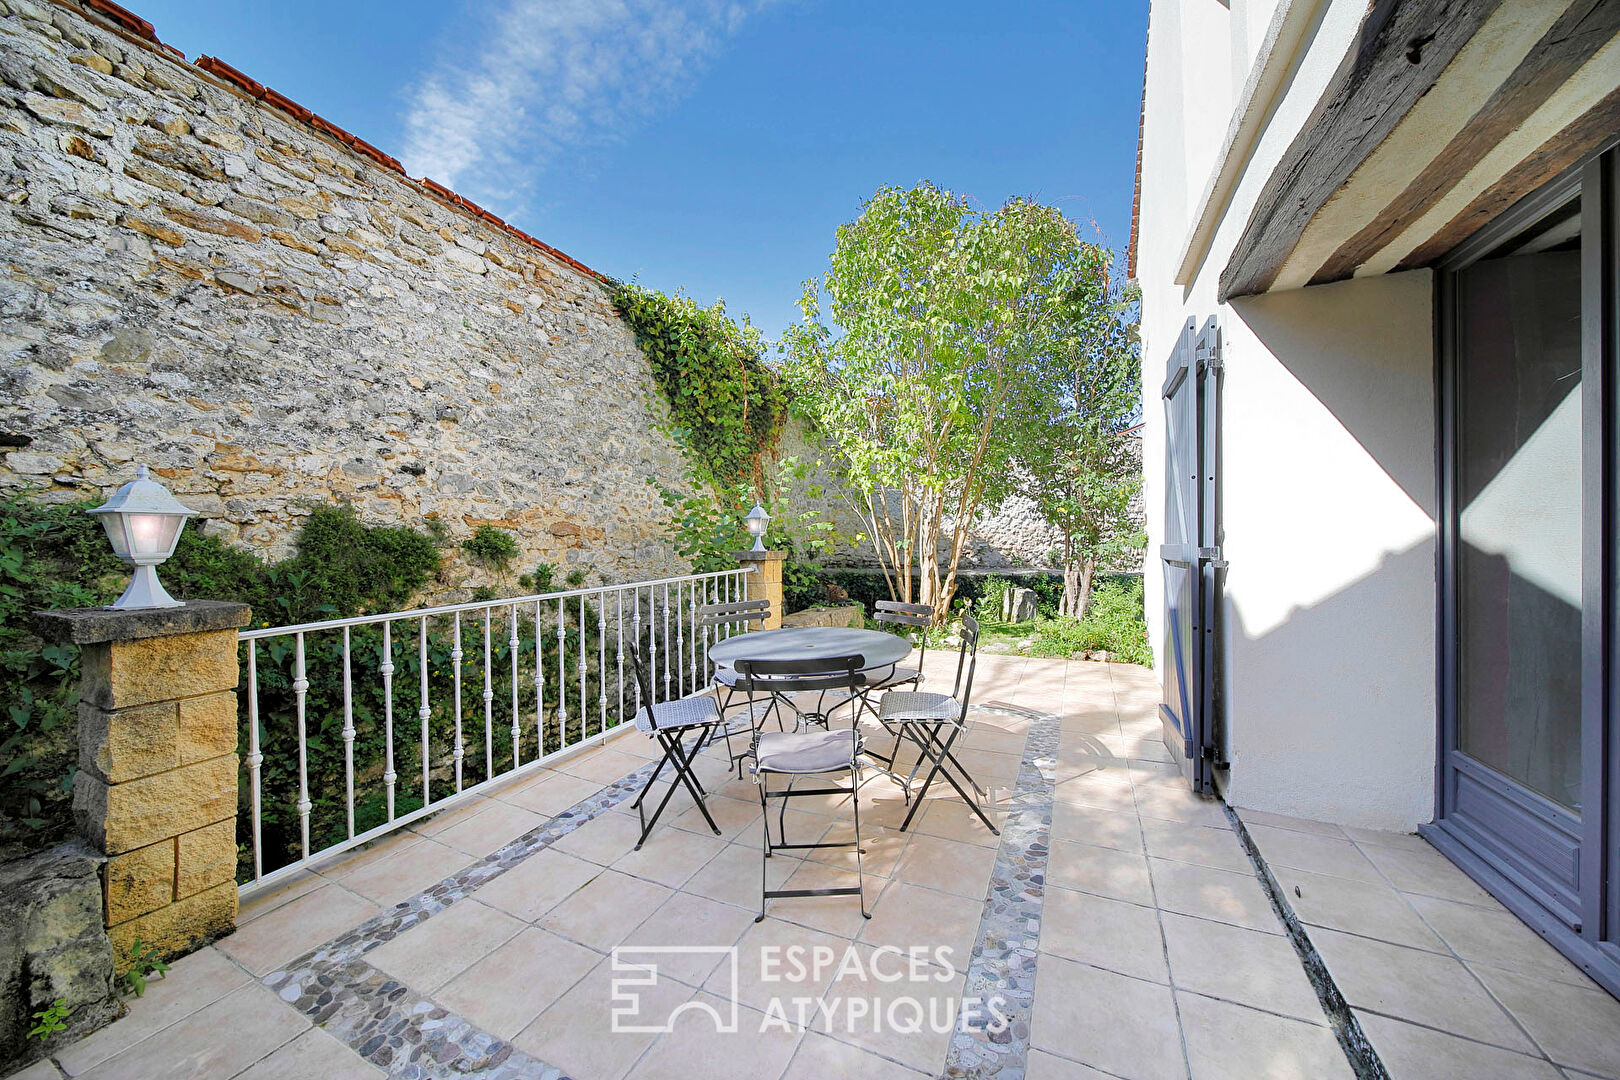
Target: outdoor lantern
757,520
143,521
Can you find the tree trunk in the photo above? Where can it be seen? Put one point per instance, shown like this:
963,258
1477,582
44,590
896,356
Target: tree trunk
1071,590
1087,568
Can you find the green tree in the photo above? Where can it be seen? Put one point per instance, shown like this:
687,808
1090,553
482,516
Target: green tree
1075,461
943,317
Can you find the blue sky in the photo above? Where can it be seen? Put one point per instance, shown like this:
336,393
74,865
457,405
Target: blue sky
710,145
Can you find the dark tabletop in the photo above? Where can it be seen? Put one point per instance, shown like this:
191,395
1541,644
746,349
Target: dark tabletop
879,649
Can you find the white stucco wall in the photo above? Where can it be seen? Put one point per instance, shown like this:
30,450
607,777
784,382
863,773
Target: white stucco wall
1328,455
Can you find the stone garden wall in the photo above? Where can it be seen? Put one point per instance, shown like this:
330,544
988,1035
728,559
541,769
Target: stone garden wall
198,273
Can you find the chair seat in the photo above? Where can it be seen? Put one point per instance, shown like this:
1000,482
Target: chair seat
803,752
678,714
725,675
912,705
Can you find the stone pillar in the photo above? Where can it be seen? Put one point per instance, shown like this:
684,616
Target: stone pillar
156,789
765,583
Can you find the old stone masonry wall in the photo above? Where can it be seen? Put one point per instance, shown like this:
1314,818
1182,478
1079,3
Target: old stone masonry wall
271,318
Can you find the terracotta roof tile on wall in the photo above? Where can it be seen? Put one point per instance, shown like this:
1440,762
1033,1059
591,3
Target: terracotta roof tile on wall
219,69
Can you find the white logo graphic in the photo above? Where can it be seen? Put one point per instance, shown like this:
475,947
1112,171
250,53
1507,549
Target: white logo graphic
627,1017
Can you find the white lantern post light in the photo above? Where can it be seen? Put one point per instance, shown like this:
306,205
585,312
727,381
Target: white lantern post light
143,522
757,520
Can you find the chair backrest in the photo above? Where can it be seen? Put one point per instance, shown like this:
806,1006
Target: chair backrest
898,613
806,674
644,681
734,613
967,661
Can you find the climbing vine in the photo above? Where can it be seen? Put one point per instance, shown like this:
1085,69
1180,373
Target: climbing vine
727,407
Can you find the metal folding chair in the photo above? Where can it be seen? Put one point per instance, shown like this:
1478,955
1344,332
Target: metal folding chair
933,722
667,722
734,616
805,753
896,613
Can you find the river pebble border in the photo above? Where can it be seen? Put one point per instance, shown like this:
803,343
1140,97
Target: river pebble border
1002,965
394,1027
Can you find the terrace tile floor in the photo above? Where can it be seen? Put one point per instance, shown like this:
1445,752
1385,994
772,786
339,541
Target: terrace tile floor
1125,905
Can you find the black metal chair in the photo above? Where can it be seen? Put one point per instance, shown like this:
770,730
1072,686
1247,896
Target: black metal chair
896,613
734,616
805,753
667,722
933,722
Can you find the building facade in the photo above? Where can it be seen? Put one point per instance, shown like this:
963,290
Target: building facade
1377,246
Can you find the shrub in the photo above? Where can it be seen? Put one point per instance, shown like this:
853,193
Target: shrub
1113,623
492,547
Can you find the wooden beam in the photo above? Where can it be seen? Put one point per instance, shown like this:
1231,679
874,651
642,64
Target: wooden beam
1569,43
1402,48
1595,128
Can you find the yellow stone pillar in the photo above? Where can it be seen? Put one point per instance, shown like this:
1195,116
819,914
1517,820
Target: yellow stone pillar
765,583
156,788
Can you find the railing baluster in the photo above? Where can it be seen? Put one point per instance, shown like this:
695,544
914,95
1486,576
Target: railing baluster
300,689
583,653
601,661
539,684
425,712
562,675
635,636
255,759
489,699
348,734
619,656
387,669
666,642
459,751
517,730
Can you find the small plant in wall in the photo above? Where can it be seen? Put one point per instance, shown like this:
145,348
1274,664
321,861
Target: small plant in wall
142,964
49,1021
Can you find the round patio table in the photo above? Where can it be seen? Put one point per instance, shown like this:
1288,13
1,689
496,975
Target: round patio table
876,648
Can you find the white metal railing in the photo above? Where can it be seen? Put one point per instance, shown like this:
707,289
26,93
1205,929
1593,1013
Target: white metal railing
321,701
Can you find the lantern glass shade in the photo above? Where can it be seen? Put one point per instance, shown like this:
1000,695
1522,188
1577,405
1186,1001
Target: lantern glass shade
757,520
143,523
143,538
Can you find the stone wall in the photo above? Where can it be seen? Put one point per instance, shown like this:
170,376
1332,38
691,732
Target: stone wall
200,274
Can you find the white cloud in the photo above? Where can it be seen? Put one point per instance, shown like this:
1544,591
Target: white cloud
552,75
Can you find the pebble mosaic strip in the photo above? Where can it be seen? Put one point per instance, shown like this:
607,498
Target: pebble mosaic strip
391,1025
1003,960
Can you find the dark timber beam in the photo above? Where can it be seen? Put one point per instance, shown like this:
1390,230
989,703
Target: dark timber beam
1580,32
1402,48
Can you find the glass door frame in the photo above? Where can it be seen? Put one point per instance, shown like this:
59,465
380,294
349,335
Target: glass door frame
1583,922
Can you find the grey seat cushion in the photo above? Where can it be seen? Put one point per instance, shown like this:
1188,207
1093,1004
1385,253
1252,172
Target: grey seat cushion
678,714
806,751
911,705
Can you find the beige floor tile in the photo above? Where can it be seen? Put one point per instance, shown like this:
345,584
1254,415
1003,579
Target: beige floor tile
1356,907
952,819
1089,721
883,848
553,795
431,953
736,875
1380,838
44,1070
1039,1065
604,911
1239,965
820,1057
256,1019
1104,933
738,819
696,1049
1576,1027
1294,824
780,961
1317,854
687,921
603,839
577,1032
538,883
471,807
498,825
267,900
1410,1052
1409,984
1121,875
604,766
507,989
1199,844
1117,1024
909,1020
837,915
946,865
1221,895
312,1054
670,856
411,870
1427,872
1136,747
1117,829
1178,804
907,916
294,929
1231,1042
191,983
1496,937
